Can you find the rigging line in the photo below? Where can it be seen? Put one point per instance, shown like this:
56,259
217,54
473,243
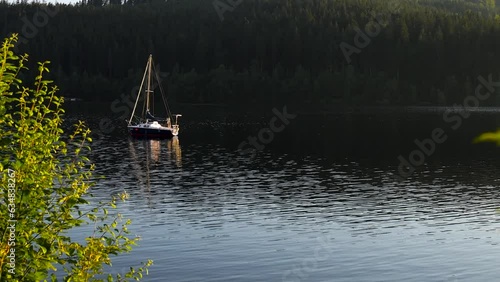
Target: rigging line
165,104
163,96
144,109
138,95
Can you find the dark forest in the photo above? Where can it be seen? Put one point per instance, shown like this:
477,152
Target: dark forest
320,52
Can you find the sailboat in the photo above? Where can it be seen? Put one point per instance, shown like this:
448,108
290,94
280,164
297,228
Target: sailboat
146,125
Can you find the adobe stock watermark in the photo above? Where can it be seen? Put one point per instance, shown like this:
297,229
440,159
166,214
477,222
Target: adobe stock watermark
301,272
11,222
453,116
253,144
32,26
221,7
372,29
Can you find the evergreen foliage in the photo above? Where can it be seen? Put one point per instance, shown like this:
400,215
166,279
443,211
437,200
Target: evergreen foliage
268,49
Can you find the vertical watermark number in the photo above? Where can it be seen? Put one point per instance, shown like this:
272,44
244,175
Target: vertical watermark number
11,222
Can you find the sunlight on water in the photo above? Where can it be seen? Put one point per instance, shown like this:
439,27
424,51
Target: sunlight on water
295,216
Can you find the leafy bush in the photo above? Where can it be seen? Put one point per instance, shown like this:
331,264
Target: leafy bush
45,180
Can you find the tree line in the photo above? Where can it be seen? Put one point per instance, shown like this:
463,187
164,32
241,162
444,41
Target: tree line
355,52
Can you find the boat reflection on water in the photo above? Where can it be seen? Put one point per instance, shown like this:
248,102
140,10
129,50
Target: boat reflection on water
150,158
155,150
174,151
151,151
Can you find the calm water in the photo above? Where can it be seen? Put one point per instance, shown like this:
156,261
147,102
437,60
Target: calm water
318,203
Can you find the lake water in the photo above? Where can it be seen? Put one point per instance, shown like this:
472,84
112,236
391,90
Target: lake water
320,202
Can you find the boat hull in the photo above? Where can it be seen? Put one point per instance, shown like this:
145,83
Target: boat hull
150,133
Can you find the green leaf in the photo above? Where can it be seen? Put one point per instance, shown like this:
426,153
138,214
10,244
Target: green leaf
488,137
46,172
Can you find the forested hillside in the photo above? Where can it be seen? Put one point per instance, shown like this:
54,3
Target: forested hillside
316,51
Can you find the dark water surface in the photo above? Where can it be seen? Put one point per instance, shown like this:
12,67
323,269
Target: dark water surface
319,203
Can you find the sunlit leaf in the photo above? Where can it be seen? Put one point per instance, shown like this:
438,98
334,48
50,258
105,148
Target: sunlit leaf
488,137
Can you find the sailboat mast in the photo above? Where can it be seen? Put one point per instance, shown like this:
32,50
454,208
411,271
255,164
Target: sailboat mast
148,90
138,95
